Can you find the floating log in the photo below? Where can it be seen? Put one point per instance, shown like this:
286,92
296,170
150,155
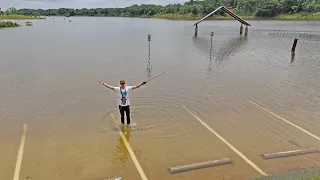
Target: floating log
190,167
289,153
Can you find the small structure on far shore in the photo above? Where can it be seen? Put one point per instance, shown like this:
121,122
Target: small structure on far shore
227,10
29,23
3,13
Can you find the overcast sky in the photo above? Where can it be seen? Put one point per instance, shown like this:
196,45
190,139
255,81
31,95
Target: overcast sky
47,4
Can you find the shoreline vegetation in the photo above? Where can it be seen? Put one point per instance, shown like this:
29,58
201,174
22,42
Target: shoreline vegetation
194,9
8,24
298,17
190,10
19,17
313,17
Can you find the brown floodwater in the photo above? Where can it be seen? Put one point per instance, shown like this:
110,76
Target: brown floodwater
49,77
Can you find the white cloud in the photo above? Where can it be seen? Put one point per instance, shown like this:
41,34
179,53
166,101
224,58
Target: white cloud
47,4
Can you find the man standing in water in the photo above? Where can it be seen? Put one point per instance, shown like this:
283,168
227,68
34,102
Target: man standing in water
123,97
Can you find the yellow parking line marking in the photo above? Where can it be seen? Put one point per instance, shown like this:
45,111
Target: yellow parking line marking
133,156
227,143
285,120
20,153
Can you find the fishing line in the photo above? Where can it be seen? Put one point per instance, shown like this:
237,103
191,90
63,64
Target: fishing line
167,71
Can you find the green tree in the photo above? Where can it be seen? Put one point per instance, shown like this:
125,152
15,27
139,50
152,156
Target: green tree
268,8
287,5
191,2
194,10
12,10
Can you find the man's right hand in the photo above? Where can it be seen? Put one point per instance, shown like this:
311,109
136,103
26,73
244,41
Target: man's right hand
102,82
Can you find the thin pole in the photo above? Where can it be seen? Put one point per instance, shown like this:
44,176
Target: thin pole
212,33
149,39
149,65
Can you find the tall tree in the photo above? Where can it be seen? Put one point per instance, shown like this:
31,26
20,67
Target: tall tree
12,10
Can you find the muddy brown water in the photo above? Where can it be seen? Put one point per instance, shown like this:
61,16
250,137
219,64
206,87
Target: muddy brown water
49,77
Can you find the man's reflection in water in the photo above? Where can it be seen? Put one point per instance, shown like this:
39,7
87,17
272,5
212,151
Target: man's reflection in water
121,151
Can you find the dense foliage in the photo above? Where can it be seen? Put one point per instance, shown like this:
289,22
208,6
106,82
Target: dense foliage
4,24
15,16
260,8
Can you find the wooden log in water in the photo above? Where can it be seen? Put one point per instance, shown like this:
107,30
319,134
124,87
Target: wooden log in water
190,167
289,153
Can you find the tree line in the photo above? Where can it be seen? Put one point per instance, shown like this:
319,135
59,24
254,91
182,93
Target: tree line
259,8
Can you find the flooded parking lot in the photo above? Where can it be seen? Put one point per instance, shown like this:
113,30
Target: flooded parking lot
250,97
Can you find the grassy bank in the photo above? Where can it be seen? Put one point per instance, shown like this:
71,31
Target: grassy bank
304,174
13,16
196,17
315,178
6,24
177,16
314,16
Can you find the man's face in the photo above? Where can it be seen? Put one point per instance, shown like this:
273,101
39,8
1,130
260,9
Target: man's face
123,85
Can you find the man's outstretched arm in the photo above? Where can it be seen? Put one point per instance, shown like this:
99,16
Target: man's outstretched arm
137,86
106,85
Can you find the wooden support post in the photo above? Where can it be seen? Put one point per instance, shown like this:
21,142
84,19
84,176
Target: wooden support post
246,31
241,29
196,30
292,57
293,50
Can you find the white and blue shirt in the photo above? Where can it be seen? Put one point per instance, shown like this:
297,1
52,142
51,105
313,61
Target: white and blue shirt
123,95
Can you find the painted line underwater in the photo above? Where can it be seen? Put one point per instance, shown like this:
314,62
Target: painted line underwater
133,156
285,120
254,166
20,153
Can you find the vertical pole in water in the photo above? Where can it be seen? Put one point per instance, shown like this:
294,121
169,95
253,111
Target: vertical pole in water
149,39
196,30
210,62
149,66
241,29
212,33
246,31
293,49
